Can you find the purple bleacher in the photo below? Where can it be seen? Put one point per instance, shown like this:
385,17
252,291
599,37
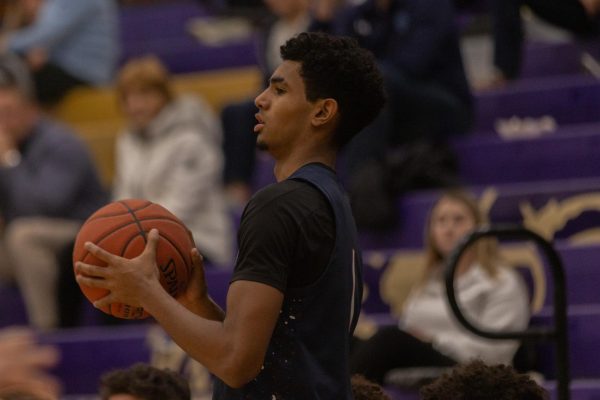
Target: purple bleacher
218,284
582,269
544,59
12,308
584,336
570,152
414,207
581,389
87,353
570,99
160,29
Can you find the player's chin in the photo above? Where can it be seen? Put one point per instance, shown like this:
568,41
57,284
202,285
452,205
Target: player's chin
262,144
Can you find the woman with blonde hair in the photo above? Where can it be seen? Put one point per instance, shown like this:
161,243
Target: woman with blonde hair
427,335
170,153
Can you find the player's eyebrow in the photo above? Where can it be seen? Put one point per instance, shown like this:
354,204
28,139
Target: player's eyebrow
277,79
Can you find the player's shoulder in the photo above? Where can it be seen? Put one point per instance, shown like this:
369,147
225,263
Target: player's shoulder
284,192
294,196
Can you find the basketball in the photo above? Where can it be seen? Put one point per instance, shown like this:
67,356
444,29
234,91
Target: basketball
121,228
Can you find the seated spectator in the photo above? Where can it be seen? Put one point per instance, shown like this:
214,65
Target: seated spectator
68,43
171,154
478,381
23,367
363,389
143,382
581,17
416,44
48,186
491,295
17,14
288,18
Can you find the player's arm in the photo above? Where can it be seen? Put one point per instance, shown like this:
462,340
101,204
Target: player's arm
232,349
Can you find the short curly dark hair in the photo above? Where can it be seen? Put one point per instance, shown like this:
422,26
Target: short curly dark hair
364,389
337,68
145,382
478,381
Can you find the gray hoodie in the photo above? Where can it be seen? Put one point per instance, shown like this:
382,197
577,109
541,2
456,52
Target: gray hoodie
177,162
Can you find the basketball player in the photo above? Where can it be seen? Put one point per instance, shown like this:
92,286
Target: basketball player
296,290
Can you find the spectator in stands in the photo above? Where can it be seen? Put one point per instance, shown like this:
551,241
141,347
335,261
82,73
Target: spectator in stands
363,389
17,14
69,43
479,381
143,382
416,44
491,295
48,186
171,154
288,18
23,365
580,17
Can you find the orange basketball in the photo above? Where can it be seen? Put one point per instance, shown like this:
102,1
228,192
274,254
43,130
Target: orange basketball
121,228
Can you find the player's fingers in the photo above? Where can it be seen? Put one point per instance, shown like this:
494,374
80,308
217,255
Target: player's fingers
197,259
90,270
150,250
101,253
92,282
105,301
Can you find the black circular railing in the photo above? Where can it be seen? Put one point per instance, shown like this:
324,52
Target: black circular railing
556,333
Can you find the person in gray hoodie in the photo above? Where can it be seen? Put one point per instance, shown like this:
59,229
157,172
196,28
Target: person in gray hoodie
171,154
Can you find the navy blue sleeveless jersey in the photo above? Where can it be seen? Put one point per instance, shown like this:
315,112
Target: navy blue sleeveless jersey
307,357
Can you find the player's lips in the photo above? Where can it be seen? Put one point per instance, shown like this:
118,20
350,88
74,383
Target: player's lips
261,123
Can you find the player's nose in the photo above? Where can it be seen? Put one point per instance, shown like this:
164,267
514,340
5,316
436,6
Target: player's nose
261,100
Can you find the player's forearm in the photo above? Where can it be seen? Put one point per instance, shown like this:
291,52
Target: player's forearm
206,308
209,342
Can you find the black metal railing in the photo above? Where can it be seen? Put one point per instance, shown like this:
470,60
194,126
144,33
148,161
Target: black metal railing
556,333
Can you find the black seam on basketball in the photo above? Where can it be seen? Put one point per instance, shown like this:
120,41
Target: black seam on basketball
137,221
126,245
187,267
124,212
98,242
183,257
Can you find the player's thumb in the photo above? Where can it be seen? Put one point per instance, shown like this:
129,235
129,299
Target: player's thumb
150,250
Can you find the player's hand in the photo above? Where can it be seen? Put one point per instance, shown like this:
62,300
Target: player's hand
196,298
128,281
197,290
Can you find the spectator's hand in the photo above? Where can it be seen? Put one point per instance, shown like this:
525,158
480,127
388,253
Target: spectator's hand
23,363
592,7
325,10
7,143
37,58
418,335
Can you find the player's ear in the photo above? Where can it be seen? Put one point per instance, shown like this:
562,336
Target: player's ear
325,112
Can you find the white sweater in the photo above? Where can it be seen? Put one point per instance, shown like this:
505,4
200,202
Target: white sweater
499,303
178,164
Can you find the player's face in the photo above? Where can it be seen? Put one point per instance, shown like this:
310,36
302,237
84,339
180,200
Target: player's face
284,113
142,106
451,220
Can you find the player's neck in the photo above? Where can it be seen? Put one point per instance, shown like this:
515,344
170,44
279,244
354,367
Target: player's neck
284,167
